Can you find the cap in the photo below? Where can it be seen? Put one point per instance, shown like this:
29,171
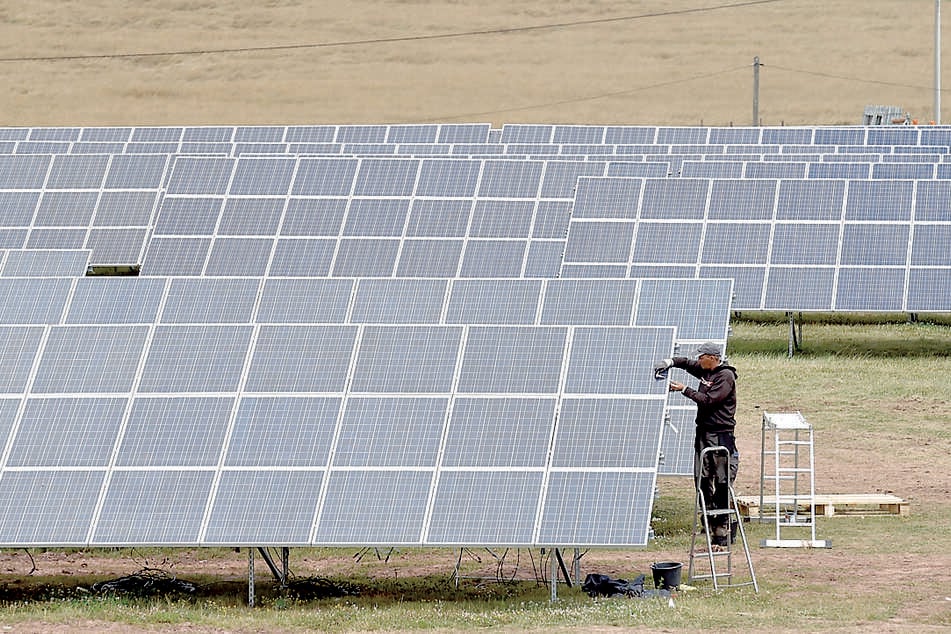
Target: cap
709,348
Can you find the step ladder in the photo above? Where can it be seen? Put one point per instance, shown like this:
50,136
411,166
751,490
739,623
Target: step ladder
787,483
717,562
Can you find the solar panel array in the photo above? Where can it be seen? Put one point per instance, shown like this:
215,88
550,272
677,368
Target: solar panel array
201,411
421,334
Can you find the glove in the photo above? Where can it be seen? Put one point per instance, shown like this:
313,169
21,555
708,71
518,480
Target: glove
660,369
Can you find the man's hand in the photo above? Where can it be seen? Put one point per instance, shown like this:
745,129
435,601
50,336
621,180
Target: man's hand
661,367
676,387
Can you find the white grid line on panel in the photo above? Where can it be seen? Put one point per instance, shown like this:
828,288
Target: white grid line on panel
332,450
235,406
444,438
114,456
549,454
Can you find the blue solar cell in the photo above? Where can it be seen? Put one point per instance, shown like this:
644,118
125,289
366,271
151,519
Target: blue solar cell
608,433
810,200
879,200
188,216
239,256
502,219
90,359
594,507
674,198
313,217
931,244
366,257
510,179
301,359
735,243
53,507
600,242
115,300
175,432
607,198
399,301
324,177
931,203
499,432
200,176
712,169
799,288
804,243
699,309
544,259
23,172
310,134
176,256
840,170
298,257
153,507
210,300
903,170
262,177
874,244
77,172
195,359
512,360
448,178
18,208
391,432
747,283
304,300
493,258
66,209
485,507
384,177
494,301
666,242
375,217
281,431
131,171
18,347
406,359
374,507
603,360
463,133
742,200
874,288
928,289
67,432
429,258
285,520
589,302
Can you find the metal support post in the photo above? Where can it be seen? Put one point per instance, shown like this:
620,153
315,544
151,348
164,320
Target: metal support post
250,577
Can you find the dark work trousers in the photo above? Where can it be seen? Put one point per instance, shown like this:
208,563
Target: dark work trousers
711,477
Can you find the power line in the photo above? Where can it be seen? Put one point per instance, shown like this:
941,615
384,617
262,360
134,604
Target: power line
846,78
609,95
389,40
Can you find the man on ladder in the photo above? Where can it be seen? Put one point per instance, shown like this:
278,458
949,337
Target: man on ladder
715,397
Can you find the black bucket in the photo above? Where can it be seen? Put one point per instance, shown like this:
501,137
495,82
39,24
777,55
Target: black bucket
666,574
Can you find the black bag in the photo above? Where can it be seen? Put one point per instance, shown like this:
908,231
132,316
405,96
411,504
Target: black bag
596,585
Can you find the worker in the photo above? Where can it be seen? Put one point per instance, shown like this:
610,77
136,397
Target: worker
716,407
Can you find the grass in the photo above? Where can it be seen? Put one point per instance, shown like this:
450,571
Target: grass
876,395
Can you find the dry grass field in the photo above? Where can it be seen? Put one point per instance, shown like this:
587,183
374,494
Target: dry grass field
666,62
882,422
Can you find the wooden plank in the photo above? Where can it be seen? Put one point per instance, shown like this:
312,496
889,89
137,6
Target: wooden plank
828,505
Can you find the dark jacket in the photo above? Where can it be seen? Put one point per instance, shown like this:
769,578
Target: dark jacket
716,396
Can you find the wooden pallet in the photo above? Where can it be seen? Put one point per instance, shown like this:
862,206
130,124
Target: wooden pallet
829,505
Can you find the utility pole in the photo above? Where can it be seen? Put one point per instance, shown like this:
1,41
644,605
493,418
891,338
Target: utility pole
937,62
756,66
